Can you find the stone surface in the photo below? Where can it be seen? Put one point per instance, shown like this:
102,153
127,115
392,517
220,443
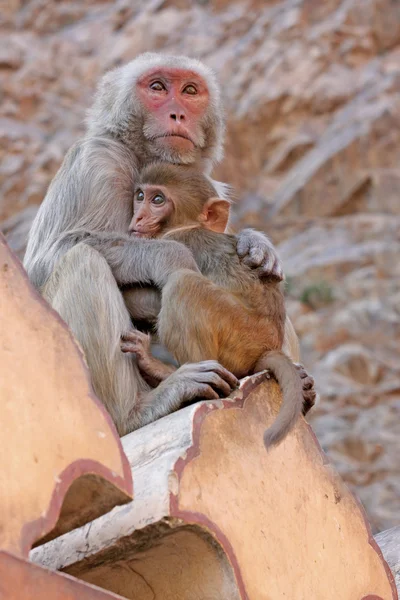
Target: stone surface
280,512
312,91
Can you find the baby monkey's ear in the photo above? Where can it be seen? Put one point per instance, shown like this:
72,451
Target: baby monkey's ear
215,214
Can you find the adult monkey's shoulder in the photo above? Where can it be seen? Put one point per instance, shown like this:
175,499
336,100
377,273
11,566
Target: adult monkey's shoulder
92,191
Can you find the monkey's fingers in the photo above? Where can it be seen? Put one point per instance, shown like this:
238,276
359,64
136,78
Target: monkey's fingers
244,243
309,394
207,379
136,342
276,271
254,257
207,392
216,382
258,252
308,381
309,400
253,246
301,370
216,367
136,336
271,267
129,347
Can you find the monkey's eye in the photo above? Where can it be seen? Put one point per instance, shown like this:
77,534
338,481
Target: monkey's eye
190,89
158,200
140,196
157,86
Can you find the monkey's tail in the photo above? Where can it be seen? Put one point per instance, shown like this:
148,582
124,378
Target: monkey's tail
292,392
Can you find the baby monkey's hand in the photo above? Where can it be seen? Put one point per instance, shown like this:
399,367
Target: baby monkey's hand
153,370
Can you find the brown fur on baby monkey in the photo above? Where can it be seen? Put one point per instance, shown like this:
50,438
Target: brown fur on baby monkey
224,312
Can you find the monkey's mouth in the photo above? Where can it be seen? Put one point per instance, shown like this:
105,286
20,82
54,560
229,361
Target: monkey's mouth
183,136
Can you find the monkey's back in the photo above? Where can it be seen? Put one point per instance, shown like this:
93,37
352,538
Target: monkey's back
249,313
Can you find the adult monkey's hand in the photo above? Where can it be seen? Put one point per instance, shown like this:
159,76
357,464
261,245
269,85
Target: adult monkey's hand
258,252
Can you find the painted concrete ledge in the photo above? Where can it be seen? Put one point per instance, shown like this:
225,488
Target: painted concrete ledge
216,517
389,543
62,460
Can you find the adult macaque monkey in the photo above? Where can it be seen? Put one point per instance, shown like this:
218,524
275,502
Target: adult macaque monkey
225,313
155,108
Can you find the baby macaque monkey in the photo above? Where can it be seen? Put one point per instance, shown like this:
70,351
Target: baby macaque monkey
224,312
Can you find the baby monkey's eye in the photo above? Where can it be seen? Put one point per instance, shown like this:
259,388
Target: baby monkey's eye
158,199
140,196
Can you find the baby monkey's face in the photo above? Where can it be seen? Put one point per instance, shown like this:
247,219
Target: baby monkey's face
184,201
153,209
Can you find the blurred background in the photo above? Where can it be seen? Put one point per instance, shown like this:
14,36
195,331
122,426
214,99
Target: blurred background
312,92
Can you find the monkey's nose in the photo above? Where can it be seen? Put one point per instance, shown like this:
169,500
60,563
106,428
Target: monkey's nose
135,221
176,117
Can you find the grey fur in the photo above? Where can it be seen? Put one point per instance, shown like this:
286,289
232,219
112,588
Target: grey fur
78,252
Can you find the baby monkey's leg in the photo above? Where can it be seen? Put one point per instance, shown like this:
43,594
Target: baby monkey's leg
143,303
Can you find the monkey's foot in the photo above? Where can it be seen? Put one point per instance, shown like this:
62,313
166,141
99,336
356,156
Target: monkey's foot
309,393
139,343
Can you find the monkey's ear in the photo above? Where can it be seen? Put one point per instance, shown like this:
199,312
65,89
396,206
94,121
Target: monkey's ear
215,214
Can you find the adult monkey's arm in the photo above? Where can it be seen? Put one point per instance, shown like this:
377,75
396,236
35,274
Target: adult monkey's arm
80,206
133,260
92,192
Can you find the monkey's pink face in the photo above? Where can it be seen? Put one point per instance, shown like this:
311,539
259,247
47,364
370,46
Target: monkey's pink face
175,103
153,209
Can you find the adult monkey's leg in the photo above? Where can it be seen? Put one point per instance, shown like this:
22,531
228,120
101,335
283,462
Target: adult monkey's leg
82,289
84,292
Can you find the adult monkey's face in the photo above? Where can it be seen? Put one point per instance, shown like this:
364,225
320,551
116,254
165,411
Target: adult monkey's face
175,103
162,107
